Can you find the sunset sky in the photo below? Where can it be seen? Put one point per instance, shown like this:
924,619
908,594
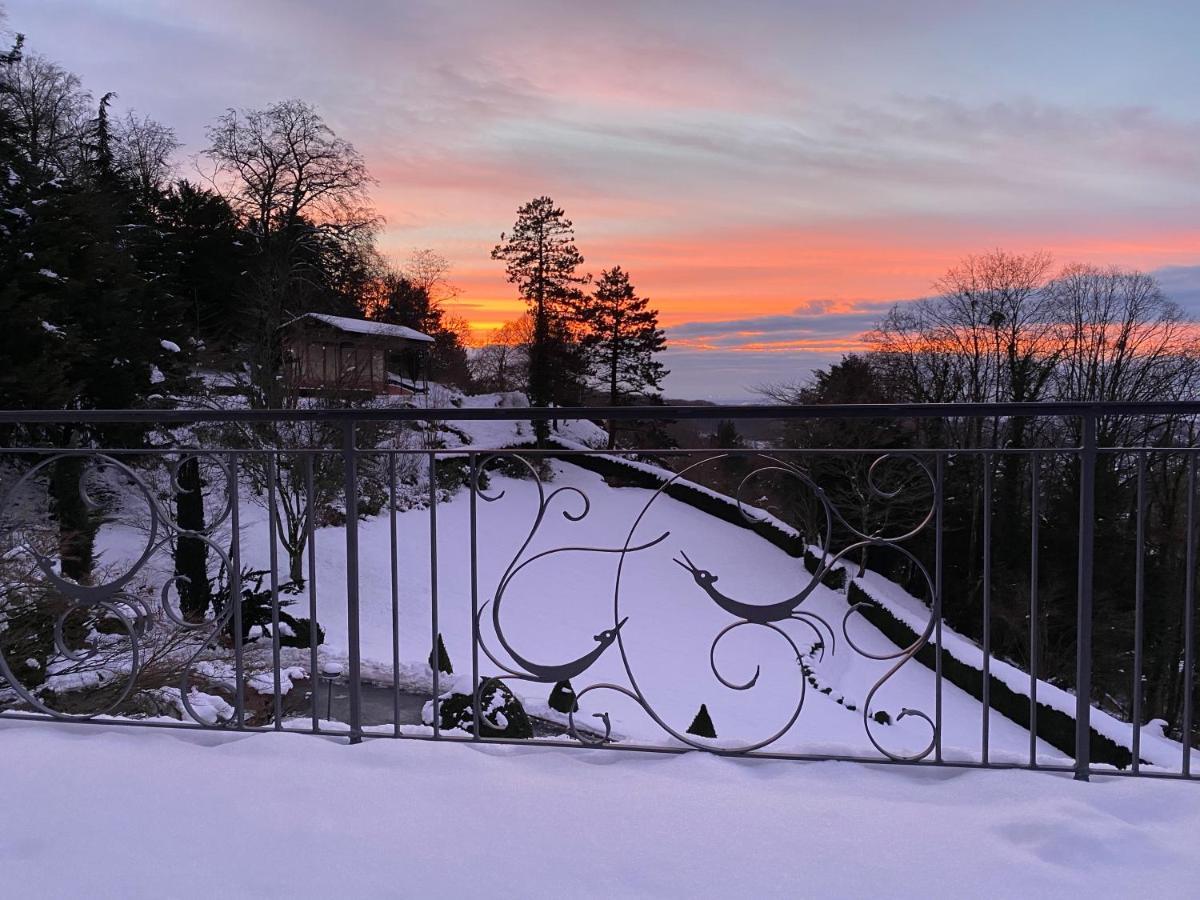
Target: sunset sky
773,175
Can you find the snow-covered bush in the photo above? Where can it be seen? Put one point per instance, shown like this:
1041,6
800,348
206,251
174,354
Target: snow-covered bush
502,714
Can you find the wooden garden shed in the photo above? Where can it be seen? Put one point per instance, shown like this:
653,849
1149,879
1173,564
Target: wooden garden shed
344,356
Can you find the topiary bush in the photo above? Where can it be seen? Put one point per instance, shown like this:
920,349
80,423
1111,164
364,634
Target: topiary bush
562,698
702,725
443,658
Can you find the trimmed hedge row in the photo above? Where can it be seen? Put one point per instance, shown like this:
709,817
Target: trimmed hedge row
620,475
1054,726
834,579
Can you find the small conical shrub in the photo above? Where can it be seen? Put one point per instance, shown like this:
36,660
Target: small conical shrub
443,658
562,698
702,725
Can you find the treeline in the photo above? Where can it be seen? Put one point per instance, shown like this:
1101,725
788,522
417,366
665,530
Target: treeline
120,278
1010,328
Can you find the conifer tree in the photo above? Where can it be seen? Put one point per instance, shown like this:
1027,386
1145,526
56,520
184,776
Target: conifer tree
702,725
542,261
442,663
621,338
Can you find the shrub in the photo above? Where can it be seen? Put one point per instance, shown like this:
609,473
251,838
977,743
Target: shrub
502,714
702,725
294,631
443,658
562,698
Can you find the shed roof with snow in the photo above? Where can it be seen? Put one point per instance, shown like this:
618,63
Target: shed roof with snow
340,355
348,325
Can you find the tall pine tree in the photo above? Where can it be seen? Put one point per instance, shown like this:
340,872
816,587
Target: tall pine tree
543,261
622,339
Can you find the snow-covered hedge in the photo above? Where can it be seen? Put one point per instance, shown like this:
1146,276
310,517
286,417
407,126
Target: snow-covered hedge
1055,725
644,475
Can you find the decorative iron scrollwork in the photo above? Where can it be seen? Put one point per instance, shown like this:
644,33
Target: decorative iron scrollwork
770,615
112,598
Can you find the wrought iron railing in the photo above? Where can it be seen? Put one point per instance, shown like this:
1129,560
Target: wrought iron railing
117,641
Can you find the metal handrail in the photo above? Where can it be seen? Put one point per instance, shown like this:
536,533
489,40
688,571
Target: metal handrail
620,413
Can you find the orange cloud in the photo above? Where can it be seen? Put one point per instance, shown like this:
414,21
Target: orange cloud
816,271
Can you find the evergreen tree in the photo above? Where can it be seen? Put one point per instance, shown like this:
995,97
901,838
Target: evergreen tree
92,316
621,338
405,303
542,261
442,662
211,253
702,725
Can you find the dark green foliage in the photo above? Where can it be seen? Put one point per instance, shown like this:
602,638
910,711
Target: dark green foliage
541,259
301,633
834,579
625,475
212,254
443,658
882,718
1055,727
621,340
562,698
702,725
454,472
256,610
502,715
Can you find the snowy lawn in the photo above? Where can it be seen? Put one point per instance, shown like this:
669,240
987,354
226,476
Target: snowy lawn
105,811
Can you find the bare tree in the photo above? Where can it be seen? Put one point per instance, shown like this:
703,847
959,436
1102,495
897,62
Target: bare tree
989,335
429,271
143,153
50,111
302,192
1121,339
502,363
282,165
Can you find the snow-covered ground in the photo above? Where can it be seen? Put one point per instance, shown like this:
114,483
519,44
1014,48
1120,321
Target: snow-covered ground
128,813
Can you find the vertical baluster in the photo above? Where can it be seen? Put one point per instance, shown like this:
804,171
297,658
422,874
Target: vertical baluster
310,511
433,593
476,712
1189,616
350,463
235,592
939,505
1034,615
273,536
987,604
1083,650
1139,602
395,595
